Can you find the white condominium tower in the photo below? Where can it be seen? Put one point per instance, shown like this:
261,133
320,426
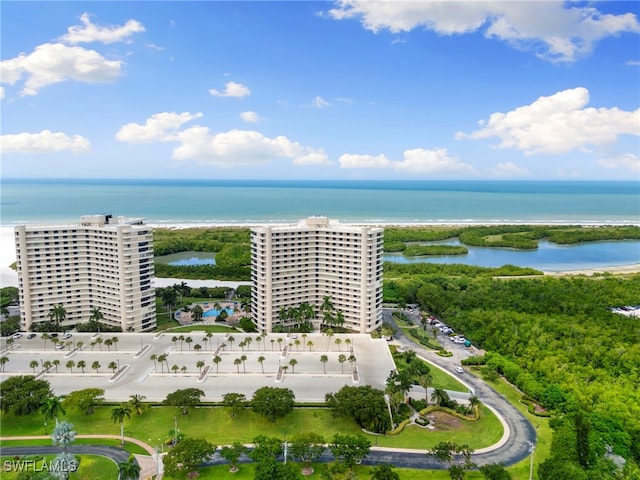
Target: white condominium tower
314,259
103,263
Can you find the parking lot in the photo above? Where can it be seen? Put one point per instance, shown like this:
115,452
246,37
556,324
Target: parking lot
134,371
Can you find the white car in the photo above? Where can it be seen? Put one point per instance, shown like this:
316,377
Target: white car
459,370
17,335
66,336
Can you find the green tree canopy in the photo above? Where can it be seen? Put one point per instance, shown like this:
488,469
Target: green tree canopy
84,400
187,454
365,404
22,395
349,449
272,402
184,398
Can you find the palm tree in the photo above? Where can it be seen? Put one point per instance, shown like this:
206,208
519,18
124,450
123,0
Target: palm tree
304,341
309,344
242,345
438,396
199,365
339,319
297,343
137,404
261,359
96,366
112,366
473,402
259,338
280,340
425,381
231,340
330,334
174,339
115,341
327,305
197,347
44,337
244,359
293,362
96,315
3,360
338,342
208,336
273,341
247,342
79,345
197,313
341,359
183,369
175,368
154,357
118,414
188,340
47,365
57,314
82,364
181,338
70,364
56,362
129,470
51,407
217,359
108,342
34,364
237,363
99,342
324,359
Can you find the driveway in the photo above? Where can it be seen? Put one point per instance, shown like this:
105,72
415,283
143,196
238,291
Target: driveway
521,431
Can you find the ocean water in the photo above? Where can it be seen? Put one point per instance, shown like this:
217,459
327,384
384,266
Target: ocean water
254,201
167,202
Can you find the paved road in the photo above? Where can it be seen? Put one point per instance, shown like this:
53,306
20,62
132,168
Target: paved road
521,430
114,453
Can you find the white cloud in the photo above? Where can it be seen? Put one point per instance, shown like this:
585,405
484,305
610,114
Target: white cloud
509,169
558,124
627,161
422,161
242,147
89,32
2,93
633,63
415,161
232,89
555,30
54,62
161,127
349,160
320,102
250,117
225,149
43,142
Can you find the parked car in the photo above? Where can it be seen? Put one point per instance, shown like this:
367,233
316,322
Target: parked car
66,336
459,369
17,335
31,335
60,346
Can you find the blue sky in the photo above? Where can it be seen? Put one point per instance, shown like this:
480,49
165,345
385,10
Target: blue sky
321,90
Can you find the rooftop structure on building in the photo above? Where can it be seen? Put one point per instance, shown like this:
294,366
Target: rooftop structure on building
321,263
103,263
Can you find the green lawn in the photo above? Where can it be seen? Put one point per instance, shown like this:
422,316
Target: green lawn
91,467
217,426
128,446
202,328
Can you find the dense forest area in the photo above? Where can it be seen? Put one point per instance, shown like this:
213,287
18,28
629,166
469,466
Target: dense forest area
557,340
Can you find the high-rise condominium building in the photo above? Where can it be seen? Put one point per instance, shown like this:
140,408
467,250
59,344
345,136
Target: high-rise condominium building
317,258
103,263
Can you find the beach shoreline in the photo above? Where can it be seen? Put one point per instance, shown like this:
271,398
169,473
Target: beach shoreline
9,278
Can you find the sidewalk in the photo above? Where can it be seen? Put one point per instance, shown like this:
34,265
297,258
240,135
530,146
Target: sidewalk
147,463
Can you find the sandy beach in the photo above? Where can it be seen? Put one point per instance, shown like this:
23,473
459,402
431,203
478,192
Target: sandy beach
9,278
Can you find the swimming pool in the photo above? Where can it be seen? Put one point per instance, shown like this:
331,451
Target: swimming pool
214,312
